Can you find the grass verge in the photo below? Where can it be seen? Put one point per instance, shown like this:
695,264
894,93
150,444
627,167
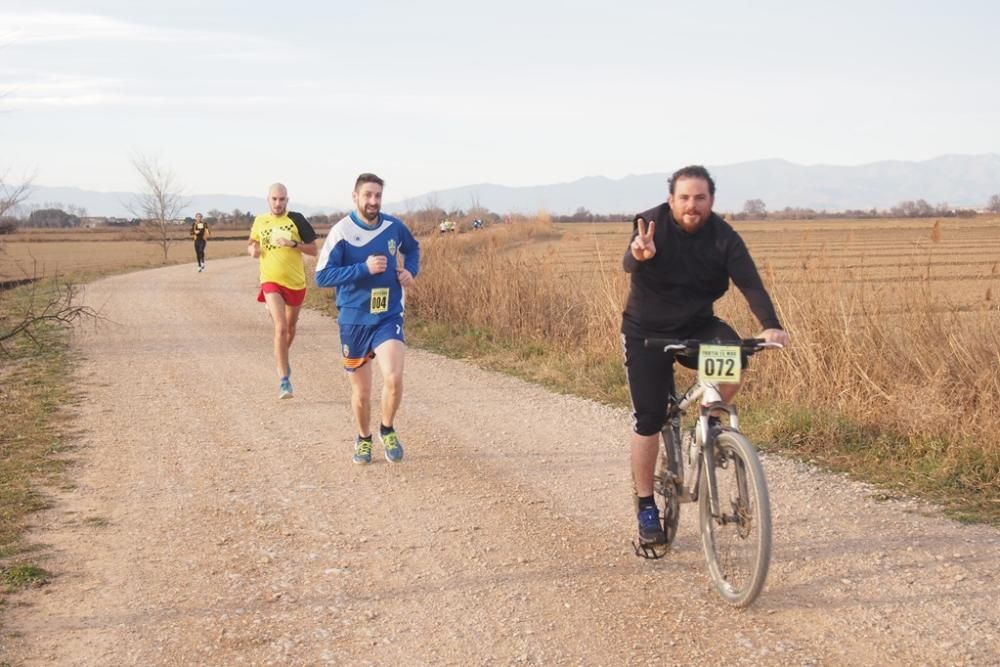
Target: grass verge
33,443
17,577
957,478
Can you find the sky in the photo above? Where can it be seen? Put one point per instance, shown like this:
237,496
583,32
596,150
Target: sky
435,94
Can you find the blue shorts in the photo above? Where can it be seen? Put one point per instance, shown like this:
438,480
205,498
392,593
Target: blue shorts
358,341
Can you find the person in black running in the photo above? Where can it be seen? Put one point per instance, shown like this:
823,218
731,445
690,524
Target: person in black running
200,234
681,258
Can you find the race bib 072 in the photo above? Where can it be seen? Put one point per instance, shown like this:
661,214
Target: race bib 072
719,363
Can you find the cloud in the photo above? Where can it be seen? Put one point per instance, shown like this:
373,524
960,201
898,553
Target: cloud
66,91
58,91
63,27
49,76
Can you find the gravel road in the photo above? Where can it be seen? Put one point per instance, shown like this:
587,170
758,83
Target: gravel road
211,524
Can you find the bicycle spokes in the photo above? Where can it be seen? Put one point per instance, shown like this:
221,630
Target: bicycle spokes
737,538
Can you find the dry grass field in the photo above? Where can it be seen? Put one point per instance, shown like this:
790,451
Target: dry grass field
48,252
894,373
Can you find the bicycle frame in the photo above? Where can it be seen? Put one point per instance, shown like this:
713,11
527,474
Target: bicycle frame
704,444
710,401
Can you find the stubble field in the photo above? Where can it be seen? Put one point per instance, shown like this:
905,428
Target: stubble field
49,252
958,260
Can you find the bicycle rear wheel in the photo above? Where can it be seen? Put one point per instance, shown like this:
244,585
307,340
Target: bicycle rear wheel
668,470
737,543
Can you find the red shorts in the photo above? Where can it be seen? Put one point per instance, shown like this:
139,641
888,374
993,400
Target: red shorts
292,297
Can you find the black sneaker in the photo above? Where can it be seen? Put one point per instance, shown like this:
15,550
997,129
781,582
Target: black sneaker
650,529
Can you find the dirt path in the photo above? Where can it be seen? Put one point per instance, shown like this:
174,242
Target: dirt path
212,524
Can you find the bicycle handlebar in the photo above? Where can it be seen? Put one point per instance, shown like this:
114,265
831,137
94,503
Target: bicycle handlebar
690,346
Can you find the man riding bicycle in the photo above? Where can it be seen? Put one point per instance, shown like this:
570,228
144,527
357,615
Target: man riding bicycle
681,259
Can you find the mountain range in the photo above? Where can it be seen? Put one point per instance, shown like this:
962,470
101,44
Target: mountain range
966,181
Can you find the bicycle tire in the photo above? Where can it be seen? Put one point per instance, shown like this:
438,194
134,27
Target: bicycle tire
737,548
669,460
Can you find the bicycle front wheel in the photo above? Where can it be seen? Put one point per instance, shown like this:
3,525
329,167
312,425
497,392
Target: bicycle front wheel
665,483
737,542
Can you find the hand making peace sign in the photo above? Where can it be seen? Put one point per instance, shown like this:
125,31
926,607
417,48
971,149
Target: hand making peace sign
642,246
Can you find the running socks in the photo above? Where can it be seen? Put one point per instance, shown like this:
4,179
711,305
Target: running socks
646,501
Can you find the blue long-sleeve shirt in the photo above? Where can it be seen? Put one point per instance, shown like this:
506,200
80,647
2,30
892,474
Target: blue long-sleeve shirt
363,297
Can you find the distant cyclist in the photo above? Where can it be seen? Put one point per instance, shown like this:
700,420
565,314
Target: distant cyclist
279,239
200,234
361,258
681,259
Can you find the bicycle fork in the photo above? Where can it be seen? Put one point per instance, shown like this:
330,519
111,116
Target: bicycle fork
709,459
708,453
701,455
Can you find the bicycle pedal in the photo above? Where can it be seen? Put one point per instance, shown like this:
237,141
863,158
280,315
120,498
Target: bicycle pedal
650,551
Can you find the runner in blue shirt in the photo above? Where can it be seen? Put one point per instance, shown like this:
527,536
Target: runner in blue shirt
371,257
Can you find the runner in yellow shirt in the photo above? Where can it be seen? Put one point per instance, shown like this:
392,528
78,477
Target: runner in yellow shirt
279,239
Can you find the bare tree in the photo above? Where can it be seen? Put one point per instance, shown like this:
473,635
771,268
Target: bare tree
426,219
994,204
159,201
53,303
54,307
432,202
476,208
755,209
12,195
45,307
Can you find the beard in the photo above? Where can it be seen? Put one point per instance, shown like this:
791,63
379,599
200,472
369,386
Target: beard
691,222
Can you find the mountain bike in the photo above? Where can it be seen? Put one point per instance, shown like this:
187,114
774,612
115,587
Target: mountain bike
712,463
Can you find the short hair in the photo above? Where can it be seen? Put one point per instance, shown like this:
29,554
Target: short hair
693,171
368,178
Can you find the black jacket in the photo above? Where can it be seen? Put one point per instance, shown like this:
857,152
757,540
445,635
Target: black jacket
672,294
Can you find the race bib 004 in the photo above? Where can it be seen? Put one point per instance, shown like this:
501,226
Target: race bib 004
380,300
719,363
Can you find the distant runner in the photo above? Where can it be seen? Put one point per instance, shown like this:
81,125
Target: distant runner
200,234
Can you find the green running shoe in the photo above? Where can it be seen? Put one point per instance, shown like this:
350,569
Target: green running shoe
393,447
362,451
